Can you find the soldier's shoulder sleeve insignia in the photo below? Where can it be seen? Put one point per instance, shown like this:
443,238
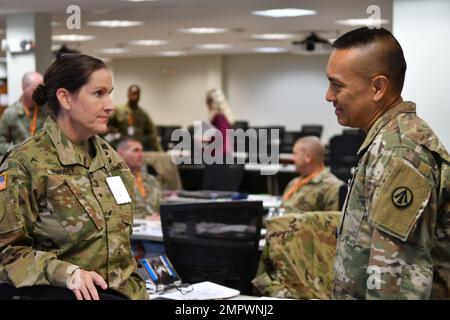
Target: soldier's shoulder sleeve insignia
3,181
400,200
402,197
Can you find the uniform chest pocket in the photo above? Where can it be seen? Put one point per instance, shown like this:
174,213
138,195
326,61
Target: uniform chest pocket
69,201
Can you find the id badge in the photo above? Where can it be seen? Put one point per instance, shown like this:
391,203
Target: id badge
118,190
130,131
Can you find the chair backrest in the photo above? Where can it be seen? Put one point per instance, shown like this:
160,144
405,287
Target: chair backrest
167,171
312,130
223,177
298,259
214,241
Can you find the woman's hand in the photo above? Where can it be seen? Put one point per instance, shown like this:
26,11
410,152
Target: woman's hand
83,283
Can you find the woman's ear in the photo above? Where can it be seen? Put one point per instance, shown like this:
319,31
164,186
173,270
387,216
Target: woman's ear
64,98
380,85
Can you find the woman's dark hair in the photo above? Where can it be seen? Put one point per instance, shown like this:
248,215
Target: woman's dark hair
71,72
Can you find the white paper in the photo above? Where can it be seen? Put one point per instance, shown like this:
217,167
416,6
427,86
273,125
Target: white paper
118,190
202,291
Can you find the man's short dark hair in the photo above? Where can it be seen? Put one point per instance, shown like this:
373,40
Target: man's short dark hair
387,54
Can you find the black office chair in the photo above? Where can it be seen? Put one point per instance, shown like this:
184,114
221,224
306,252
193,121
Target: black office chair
222,177
214,241
312,130
166,134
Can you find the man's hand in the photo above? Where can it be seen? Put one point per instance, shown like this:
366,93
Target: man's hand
83,283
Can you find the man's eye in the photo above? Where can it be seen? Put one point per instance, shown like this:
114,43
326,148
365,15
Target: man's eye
98,93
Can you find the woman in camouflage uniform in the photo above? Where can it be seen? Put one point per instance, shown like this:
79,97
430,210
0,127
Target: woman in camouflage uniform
65,204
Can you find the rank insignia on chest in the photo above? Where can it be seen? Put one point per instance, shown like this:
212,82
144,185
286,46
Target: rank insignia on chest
402,197
3,181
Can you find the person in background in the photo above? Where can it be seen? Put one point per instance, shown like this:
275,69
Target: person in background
394,236
317,189
147,187
21,119
66,195
130,120
220,115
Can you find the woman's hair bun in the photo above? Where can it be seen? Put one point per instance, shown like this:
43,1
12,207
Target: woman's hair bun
40,95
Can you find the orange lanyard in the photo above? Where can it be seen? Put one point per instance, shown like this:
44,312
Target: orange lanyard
140,185
300,183
33,123
130,119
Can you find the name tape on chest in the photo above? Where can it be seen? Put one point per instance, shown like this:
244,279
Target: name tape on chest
118,190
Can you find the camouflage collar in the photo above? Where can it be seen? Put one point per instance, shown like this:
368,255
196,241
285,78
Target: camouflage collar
65,148
384,119
320,176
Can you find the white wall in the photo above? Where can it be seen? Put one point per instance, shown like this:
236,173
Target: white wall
263,89
423,29
172,89
281,90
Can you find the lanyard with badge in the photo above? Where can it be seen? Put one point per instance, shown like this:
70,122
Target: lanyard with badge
116,186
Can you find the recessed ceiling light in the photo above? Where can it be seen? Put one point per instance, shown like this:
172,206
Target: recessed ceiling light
114,23
72,37
284,13
149,42
171,53
203,30
270,50
362,22
273,36
113,50
213,46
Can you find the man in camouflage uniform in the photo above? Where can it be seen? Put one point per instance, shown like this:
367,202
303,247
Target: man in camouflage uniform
297,261
394,236
58,215
147,188
317,189
130,120
21,119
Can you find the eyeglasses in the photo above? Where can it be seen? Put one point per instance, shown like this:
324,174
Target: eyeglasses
185,288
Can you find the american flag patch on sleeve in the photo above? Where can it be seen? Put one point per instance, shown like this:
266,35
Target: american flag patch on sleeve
2,181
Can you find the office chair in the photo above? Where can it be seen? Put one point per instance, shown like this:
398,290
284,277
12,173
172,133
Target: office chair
222,177
312,130
214,241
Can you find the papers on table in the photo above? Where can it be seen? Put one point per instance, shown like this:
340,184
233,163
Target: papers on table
200,291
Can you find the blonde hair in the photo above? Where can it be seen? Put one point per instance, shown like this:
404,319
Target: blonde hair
219,104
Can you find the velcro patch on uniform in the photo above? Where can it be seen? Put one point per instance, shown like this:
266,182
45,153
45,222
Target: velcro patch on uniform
3,181
402,198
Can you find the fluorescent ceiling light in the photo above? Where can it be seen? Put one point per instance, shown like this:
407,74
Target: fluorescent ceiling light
114,23
273,36
55,23
362,22
270,50
113,50
213,46
72,37
203,30
171,53
149,42
284,13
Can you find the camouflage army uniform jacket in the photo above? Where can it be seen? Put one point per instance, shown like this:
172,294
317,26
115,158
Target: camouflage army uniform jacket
144,130
394,235
57,213
320,194
150,204
14,126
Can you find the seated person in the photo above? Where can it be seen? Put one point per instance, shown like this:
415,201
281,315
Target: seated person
147,187
317,189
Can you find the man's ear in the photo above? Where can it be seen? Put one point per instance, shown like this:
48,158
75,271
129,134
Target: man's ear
64,98
379,86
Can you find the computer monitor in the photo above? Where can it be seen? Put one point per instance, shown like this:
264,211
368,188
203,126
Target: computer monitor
214,241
